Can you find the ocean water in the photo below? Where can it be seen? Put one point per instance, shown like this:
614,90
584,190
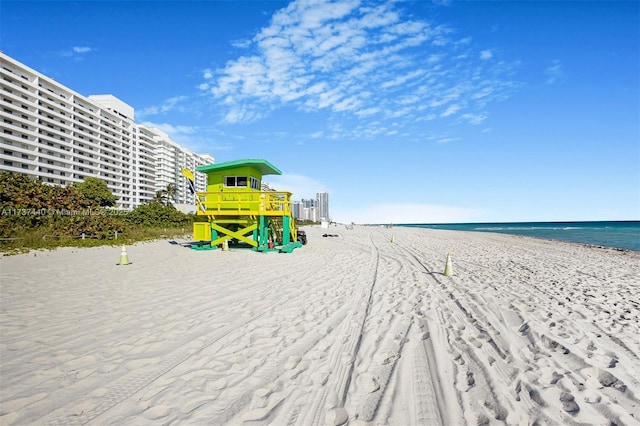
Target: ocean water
619,234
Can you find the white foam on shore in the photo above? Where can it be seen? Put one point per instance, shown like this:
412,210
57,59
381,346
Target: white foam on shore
350,329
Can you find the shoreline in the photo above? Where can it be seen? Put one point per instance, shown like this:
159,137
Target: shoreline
362,327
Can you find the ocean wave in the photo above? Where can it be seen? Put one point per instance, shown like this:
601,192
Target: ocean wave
526,228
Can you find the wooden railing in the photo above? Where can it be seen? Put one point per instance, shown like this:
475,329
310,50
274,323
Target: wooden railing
244,203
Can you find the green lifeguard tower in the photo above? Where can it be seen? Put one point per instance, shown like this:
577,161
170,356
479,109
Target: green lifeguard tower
240,213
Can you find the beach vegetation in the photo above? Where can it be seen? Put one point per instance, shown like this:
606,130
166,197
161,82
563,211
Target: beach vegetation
157,215
34,215
96,192
166,196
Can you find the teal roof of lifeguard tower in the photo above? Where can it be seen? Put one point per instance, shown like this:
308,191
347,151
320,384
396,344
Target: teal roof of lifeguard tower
263,166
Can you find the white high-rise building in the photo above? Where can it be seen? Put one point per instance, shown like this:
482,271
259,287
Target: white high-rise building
309,211
322,206
58,136
296,209
170,159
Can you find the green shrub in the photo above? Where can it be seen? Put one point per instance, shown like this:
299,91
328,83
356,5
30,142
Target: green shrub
96,192
157,215
30,205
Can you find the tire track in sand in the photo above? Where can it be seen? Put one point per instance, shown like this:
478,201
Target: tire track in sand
130,384
326,405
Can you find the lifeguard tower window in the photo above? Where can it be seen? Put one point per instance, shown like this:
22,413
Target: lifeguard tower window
241,181
235,181
255,183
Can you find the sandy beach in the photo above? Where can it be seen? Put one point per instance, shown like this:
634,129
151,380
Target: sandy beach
362,328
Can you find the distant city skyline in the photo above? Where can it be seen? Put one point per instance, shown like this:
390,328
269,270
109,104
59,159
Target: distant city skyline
316,210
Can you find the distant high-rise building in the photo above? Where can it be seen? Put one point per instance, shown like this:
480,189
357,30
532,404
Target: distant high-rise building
308,203
322,199
314,210
309,210
296,210
55,135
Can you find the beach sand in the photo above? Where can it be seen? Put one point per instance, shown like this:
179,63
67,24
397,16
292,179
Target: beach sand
361,328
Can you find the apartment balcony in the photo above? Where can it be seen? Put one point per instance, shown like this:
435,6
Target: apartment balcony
23,97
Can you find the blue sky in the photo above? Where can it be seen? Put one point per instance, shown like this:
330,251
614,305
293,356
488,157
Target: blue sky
404,111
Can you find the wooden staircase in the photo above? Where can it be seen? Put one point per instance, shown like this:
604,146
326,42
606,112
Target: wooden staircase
275,229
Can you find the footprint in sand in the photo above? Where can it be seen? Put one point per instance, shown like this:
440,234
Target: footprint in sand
320,377
568,403
607,379
292,362
157,412
99,393
368,382
386,357
267,404
217,385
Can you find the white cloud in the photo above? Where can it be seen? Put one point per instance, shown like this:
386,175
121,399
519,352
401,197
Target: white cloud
482,93
444,141
473,118
351,58
198,139
171,130
367,112
452,109
554,72
403,79
406,213
82,49
167,105
486,54
77,52
237,115
241,44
